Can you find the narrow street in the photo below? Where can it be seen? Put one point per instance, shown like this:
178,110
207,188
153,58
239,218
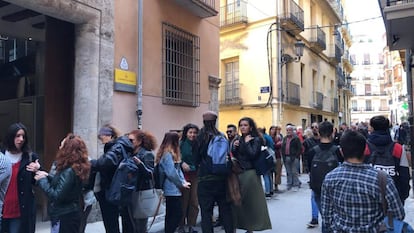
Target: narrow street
289,213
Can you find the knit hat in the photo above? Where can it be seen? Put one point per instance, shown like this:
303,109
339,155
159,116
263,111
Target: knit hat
209,116
105,131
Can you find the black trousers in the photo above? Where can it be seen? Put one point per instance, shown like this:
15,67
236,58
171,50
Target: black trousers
210,192
69,223
127,225
84,219
110,213
173,213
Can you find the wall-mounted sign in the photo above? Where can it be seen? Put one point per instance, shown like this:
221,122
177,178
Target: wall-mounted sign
125,81
265,89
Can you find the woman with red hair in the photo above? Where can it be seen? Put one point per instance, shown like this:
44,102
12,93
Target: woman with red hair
64,189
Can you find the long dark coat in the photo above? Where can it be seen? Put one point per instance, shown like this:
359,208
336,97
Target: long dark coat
25,182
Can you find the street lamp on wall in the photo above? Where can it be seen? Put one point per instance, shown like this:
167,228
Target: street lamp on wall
286,58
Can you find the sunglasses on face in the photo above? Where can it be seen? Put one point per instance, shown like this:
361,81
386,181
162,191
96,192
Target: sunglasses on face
229,131
314,127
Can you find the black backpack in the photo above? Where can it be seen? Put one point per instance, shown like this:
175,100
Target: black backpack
123,182
381,158
158,176
323,162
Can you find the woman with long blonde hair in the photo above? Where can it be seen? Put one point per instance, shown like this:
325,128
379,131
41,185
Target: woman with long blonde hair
169,159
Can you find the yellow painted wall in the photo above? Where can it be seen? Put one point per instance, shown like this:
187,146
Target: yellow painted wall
247,45
262,117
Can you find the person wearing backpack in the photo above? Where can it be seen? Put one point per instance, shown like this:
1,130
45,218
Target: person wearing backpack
323,157
268,176
212,186
106,165
252,214
384,154
351,197
308,144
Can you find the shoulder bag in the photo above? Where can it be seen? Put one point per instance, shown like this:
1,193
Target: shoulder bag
390,224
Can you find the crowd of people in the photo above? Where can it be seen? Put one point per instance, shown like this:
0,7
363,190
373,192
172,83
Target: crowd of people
75,181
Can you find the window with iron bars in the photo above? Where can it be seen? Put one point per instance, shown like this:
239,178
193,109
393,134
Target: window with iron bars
181,67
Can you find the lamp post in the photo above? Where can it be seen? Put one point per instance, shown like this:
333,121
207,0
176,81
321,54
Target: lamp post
286,58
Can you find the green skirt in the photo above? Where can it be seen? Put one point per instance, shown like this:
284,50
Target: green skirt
252,214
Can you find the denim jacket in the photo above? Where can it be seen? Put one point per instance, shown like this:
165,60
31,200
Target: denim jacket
174,177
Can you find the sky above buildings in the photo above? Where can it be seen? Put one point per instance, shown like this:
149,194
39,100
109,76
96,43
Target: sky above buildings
364,17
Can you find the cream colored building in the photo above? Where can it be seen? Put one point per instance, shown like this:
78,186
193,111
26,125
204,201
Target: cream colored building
376,89
261,75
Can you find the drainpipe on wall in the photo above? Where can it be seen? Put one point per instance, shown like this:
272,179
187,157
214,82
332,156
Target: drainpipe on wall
139,76
408,61
279,67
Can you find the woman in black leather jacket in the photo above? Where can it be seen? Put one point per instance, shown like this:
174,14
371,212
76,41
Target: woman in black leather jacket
144,143
64,189
252,214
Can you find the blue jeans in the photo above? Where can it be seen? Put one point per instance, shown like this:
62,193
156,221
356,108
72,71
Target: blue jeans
291,164
318,204
268,182
12,225
315,209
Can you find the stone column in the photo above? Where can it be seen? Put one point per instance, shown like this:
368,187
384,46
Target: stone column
213,86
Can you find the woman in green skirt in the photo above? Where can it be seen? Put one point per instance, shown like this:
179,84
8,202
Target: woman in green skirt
252,214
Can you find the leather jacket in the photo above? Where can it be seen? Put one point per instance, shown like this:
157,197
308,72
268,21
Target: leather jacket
145,169
64,191
246,153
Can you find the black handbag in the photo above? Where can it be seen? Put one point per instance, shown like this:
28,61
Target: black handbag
266,161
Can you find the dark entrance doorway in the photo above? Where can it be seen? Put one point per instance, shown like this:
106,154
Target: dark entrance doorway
36,84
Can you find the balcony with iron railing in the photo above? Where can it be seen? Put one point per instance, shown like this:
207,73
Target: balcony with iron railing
340,77
370,109
371,93
397,14
233,14
317,41
337,8
318,100
293,93
334,54
334,105
346,62
200,8
230,94
349,89
398,2
292,21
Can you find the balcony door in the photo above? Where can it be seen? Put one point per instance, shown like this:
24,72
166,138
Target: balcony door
232,81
